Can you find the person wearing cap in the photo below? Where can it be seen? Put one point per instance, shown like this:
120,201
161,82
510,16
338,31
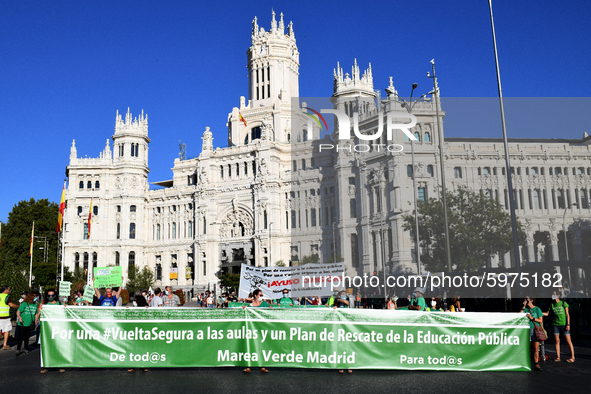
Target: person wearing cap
418,302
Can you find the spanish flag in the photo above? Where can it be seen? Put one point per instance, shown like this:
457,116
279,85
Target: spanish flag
60,216
242,119
89,217
32,238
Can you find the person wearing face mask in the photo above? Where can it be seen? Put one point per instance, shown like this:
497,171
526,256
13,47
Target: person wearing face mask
50,299
170,300
257,302
418,302
110,297
26,316
561,323
392,303
436,305
285,301
534,314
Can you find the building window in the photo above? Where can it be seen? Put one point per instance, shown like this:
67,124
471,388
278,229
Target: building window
486,171
174,231
409,171
117,259
118,230
557,171
89,185
158,232
132,208
479,171
584,201
536,199
353,208
265,219
560,198
81,185
229,170
430,170
304,164
85,261
79,210
158,272
86,230
293,219
97,185
534,171
427,137
494,170
313,217
457,172
294,166
422,193
76,260
131,259
354,251
417,136
131,230
95,210
94,260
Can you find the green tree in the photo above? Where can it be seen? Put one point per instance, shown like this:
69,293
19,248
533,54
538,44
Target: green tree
139,279
311,259
479,227
230,281
332,260
16,238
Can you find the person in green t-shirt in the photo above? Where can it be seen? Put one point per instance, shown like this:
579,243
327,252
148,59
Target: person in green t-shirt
25,319
418,302
257,302
535,316
561,323
285,302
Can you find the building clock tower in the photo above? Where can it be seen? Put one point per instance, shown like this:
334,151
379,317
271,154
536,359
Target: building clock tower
273,63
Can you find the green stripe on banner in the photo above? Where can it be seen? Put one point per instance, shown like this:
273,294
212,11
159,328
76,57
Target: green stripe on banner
89,337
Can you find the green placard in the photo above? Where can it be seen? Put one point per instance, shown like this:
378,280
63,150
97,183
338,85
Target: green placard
107,277
64,289
294,338
88,293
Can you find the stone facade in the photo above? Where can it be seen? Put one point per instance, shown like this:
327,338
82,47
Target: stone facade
273,195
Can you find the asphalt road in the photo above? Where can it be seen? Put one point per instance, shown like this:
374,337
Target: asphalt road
22,374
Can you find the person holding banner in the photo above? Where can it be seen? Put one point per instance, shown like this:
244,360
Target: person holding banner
418,302
341,301
50,299
285,301
535,315
258,302
110,297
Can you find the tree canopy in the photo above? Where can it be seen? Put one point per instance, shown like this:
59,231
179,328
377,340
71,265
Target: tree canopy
479,227
138,279
16,238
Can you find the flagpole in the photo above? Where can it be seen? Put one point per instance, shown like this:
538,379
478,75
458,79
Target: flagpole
31,254
88,276
63,251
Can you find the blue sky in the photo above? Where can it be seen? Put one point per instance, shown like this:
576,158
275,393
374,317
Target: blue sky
66,67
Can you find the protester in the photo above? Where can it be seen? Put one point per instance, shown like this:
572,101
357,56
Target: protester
170,300
5,323
26,317
455,304
210,300
156,301
417,303
341,301
79,300
140,299
110,297
232,297
561,323
358,300
50,299
257,302
436,305
285,301
535,315
392,303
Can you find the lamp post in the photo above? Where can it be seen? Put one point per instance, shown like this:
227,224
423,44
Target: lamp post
506,146
409,106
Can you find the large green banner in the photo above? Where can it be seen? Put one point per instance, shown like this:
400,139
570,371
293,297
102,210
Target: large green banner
109,337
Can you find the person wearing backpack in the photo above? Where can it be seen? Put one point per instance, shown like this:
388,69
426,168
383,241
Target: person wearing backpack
561,323
535,315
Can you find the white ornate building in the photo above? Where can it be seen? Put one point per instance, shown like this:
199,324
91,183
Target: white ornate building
272,195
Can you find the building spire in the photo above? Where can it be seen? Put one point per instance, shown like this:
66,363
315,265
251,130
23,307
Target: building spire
273,22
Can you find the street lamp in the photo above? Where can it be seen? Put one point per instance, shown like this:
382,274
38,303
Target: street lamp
409,106
574,204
